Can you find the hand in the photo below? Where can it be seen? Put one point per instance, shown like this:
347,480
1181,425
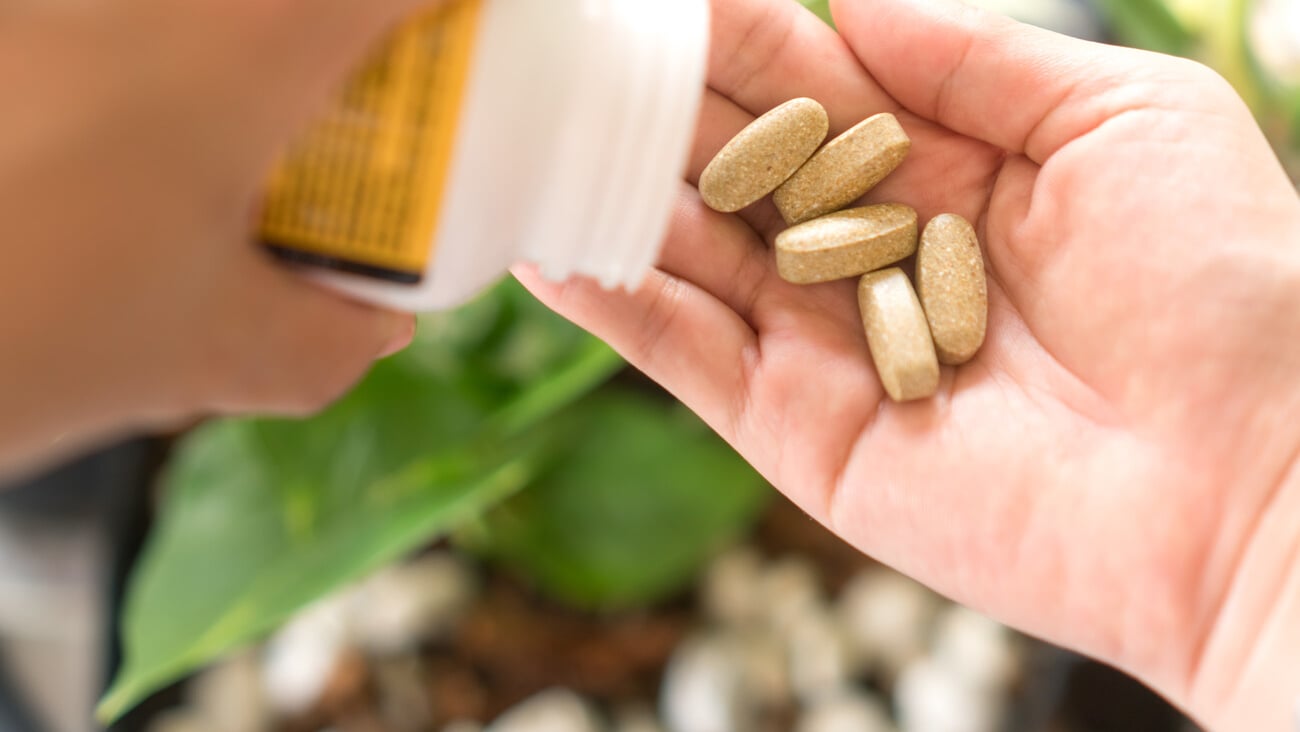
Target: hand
132,151
1117,470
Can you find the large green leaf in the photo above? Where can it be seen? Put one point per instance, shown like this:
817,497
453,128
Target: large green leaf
1147,24
265,516
646,493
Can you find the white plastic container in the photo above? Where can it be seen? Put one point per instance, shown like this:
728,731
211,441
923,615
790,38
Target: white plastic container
557,134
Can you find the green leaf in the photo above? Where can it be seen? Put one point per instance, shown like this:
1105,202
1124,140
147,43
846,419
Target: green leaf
645,495
1147,24
822,8
264,517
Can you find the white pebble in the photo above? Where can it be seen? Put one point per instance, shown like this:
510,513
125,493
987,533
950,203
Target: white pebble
821,657
229,695
979,650
788,588
849,711
930,697
299,661
704,688
555,710
888,618
409,604
730,589
765,668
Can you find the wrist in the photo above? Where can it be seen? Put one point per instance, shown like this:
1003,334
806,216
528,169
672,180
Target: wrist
1248,675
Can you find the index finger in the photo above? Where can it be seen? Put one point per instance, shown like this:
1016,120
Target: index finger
767,52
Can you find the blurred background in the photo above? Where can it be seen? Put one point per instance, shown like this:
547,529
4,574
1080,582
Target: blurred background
506,529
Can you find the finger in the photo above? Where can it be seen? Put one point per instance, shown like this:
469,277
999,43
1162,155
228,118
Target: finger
1021,88
285,345
680,336
718,253
766,52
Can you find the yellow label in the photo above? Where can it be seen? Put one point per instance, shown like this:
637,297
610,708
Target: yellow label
362,191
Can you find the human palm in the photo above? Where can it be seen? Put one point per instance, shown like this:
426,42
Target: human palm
1097,474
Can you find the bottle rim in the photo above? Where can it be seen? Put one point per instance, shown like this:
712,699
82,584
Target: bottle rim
640,101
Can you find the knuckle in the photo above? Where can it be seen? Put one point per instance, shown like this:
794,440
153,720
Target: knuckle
1205,78
310,382
271,372
660,315
305,388
1206,89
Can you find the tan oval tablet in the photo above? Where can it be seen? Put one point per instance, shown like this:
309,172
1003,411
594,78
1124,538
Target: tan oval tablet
764,155
846,244
844,170
951,283
898,335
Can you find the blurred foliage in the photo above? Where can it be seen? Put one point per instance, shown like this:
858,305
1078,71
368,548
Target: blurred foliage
643,494
1147,24
627,494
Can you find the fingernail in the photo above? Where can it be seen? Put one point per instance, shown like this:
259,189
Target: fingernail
403,333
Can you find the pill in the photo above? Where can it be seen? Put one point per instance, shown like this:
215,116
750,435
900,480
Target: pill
844,170
952,287
846,244
898,335
764,155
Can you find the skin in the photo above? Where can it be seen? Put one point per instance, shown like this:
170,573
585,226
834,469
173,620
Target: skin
131,162
1117,469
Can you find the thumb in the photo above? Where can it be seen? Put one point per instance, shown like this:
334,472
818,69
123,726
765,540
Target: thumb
1024,89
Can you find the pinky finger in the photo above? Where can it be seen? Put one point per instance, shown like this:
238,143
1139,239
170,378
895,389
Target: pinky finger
685,339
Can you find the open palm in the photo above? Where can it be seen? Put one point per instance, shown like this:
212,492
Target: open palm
1102,472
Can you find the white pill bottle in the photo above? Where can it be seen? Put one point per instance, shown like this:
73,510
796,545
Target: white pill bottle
489,132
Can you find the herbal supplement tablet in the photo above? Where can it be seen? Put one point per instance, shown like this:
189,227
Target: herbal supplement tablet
953,289
846,244
898,335
844,170
764,155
